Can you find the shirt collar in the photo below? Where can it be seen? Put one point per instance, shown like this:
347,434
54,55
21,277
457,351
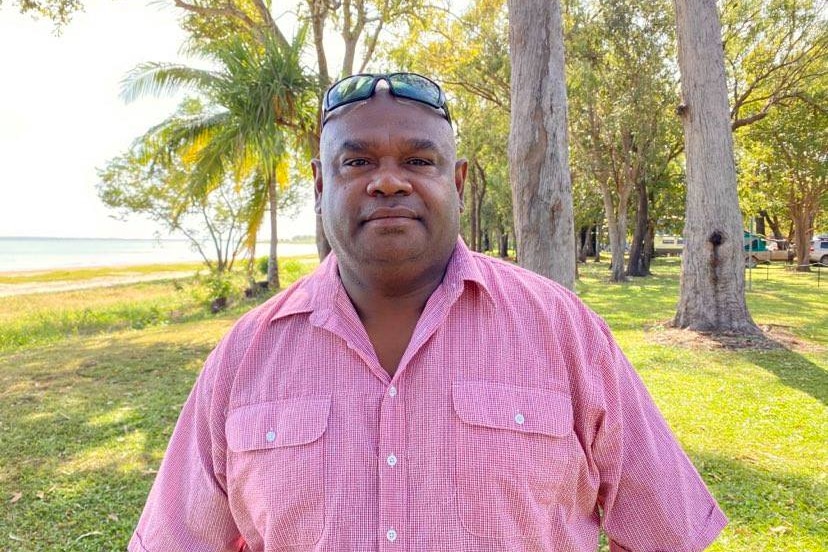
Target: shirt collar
318,293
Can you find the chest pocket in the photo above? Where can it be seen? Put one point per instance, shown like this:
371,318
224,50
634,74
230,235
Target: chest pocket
515,446
276,469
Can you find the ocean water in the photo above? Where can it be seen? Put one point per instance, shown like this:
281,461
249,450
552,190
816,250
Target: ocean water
19,254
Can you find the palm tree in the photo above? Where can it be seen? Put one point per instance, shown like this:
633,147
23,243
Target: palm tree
259,102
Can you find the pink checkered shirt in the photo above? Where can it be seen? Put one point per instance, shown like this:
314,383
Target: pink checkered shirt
513,423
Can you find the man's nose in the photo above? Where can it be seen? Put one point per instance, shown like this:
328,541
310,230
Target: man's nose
389,181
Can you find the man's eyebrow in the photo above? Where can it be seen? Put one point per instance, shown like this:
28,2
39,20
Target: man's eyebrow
354,145
421,144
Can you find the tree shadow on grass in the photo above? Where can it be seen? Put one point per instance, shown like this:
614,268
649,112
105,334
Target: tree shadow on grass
84,425
794,371
776,352
768,510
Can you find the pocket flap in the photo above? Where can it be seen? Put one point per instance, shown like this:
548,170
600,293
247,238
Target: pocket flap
282,423
521,409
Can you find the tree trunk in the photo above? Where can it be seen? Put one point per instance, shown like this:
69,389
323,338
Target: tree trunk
759,222
773,222
637,264
474,215
617,227
538,142
649,246
583,244
712,295
273,259
802,239
504,245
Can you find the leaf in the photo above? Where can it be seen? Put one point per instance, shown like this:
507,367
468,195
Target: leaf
283,172
15,497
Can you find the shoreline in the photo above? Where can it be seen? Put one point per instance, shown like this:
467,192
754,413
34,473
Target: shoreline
18,258
26,282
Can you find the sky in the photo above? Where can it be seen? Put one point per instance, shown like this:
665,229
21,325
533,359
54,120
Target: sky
61,116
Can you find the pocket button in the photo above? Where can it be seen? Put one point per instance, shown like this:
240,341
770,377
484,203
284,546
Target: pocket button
519,419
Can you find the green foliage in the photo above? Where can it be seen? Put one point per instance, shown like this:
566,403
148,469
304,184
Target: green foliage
219,286
258,107
774,54
622,93
59,11
216,224
290,269
783,161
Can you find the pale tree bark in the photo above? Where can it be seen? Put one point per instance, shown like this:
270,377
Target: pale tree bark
712,296
617,226
273,259
538,141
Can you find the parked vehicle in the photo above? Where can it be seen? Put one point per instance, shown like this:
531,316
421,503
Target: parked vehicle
759,249
780,250
668,245
818,252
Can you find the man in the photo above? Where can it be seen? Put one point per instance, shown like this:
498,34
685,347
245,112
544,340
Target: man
412,395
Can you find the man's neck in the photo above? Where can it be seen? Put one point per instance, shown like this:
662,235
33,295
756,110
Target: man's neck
385,292
389,304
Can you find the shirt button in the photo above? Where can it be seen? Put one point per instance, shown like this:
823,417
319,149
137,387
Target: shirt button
519,419
271,436
391,535
392,460
392,391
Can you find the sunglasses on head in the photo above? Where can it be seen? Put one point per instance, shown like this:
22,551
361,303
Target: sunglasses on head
402,85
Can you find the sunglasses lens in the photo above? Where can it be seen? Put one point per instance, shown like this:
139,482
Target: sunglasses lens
353,88
405,85
415,87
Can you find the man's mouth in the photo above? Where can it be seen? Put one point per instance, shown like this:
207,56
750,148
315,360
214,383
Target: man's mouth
390,214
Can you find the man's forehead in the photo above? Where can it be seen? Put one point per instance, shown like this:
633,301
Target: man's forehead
411,143
367,124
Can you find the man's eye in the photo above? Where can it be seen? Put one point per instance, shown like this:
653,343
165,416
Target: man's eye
355,162
419,161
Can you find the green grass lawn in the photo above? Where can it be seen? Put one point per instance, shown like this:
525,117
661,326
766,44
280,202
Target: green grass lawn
75,274
86,408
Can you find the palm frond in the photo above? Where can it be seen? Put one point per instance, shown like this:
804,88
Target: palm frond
161,79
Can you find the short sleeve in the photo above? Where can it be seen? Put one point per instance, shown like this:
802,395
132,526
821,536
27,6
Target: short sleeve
187,508
651,496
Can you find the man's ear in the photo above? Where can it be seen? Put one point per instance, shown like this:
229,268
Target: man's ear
460,169
316,166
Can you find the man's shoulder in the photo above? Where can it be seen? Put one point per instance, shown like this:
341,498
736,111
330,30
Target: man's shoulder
537,299
504,275
294,298
297,297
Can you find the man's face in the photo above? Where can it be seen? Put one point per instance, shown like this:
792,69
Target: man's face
388,185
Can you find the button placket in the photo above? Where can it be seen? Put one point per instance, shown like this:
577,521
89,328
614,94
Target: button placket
393,493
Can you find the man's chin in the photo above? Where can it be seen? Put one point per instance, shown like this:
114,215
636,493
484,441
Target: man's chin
393,248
